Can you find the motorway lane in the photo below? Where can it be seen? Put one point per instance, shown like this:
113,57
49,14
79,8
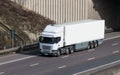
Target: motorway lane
39,65
79,68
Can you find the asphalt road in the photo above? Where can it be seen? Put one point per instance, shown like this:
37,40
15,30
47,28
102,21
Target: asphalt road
73,64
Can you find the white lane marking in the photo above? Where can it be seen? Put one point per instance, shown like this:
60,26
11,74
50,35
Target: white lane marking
101,66
65,56
2,73
111,38
34,64
11,61
114,52
62,66
91,58
91,50
114,44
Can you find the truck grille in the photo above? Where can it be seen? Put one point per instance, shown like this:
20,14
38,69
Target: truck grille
46,47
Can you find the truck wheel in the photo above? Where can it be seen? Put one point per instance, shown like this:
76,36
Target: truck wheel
71,50
67,51
89,45
92,44
58,53
95,44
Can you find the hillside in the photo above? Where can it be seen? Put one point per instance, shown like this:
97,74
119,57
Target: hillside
26,23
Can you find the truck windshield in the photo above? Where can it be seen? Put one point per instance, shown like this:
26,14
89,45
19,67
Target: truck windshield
49,40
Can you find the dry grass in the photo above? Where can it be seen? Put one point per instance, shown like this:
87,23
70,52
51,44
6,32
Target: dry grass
16,17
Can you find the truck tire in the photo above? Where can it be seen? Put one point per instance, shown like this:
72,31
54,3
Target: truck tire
89,46
71,50
95,44
58,53
92,45
66,51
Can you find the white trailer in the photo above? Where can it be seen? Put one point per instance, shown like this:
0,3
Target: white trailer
69,37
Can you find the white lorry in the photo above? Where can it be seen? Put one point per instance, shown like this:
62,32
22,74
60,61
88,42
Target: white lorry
66,38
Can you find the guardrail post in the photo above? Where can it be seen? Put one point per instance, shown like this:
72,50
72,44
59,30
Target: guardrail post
12,37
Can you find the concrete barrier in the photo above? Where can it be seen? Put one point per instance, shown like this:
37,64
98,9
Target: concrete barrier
31,47
9,50
18,49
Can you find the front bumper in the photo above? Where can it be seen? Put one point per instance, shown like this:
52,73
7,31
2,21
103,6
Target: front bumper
48,52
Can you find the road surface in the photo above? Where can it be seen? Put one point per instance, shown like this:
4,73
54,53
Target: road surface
74,64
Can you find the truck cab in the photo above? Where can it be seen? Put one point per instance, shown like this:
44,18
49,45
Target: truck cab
51,40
